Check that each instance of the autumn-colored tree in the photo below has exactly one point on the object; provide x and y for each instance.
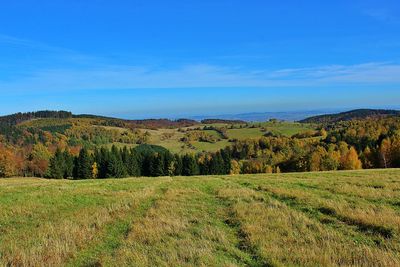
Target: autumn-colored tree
(385, 153)
(235, 167)
(268, 169)
(366, 158)
(39, 160)
(95, 171)
(316, 159)
(352, 162)
(7, 162)
(277, 169)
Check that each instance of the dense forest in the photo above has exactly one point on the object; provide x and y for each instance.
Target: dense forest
(351, 115)
(63, 148)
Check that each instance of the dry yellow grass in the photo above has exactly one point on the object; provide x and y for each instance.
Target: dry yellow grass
(305, 219)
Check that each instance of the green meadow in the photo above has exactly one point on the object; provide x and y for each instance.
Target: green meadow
(349, 218)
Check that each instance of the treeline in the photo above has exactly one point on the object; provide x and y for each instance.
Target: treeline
(372, 143)
(284, 154)
(145, 160)
(21, 117)
(160, 123)
(213, 121)
(357, 114)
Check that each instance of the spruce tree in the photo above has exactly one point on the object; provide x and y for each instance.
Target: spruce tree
(178, 165)
(156, 167)
(168, 164)
(133, 167)
(227, 161)
(69, 165)
(115, 165)
(189, 165)
(102, 162)
(83, 165)
(57, 165)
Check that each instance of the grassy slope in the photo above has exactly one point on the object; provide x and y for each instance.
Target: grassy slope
(304, 219)
(174, 143)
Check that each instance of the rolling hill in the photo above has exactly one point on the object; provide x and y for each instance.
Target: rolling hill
(351, 115)
(179, 136)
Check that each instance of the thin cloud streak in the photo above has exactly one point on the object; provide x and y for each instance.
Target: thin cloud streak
(383, 15)
(202, 75)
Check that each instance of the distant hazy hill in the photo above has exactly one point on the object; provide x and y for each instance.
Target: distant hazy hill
(265, 116)
(351, 115)
(212, 121)
(14, 119)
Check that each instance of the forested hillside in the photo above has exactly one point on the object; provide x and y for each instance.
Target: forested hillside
(63, 145)
(351, 115)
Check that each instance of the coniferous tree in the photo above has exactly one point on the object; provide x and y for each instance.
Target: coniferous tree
(115, 165)
(132, 164)
(83, 165)
(156, 165)
(217, 164)
(227, 161)
(204, 164)
(102, 158)
(169, 164)
(189, 165)
(178, 165)
(69, 165)
(125, 157)
(57, 165)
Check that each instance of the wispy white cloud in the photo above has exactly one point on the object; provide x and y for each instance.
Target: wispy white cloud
(21, 42)
(54, 52)
(382, 14)
(202, 75)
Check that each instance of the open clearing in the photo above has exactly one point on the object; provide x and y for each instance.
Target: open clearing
(304, 219)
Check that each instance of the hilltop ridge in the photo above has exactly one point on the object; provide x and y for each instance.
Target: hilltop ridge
(351, 115)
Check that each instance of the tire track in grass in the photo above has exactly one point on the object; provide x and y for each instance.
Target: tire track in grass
(114, 233)
(352, 253)
(329, 214)
(183, 228)
(363, 227)
(233, 222)
(390, 201)
(225, 215)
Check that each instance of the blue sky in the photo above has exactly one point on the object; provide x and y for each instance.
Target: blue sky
(173, 58)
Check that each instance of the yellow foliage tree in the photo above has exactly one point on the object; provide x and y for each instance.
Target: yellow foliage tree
(7, 162)
(352, 162)
(95, 171)
(235, 167)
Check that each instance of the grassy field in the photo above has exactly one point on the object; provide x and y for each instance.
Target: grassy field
(304, 219)
(175, 145)
(172, 138)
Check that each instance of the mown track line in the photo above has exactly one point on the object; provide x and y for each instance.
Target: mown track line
(228, 219)
(321, 214)
(243, 239)
(115, 232)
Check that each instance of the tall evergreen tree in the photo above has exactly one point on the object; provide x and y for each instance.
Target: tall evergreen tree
(102, 157)
(83, 165)
(69, 165)
(189, 165)
(217, 164)
(227, 161)
(178, 165)
(156, 167)
(169, 164)
(115, 165)
(132, 164)
(57, 165)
